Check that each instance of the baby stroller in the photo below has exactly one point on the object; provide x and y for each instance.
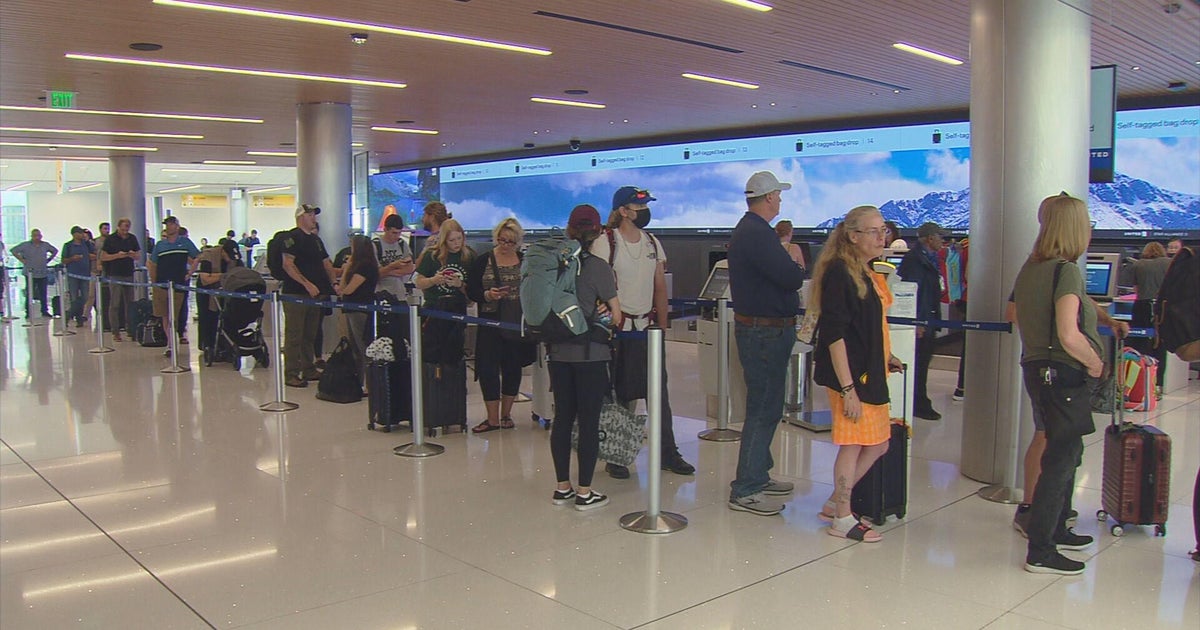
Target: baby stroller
(239, 323)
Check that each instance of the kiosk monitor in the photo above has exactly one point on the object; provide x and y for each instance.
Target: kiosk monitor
(717, 285)
(1100, 277)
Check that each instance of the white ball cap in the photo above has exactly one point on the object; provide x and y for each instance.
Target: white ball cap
(763, 183)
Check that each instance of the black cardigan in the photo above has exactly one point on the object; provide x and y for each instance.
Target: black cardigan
(859, 322)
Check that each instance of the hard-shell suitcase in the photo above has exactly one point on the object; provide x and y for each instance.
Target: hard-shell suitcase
(1136, 478)
(883, 491)
(444, 389)
(543, 397)
(389, 394)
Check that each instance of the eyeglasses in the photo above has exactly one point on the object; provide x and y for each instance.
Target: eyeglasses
(875, 232)
(505, 241)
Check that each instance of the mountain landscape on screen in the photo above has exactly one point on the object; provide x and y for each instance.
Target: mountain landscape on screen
(1126, 203)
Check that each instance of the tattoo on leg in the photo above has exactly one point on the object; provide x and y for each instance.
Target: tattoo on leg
(843, 490)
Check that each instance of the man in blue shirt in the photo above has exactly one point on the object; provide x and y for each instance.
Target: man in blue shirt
(764, 281)
(78, 255)
(920, 265)
(34, 254)
(172, 260)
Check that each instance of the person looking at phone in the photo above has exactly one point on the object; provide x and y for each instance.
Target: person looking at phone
(395, 258)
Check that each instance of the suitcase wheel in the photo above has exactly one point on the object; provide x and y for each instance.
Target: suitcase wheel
(1160, 530)
(1117, 530)
(1101, 515)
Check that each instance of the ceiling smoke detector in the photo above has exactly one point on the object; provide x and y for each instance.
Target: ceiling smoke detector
(359, 38)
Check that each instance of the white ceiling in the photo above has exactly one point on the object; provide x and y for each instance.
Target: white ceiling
(478, 99)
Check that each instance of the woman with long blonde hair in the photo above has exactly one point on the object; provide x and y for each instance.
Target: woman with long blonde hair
(853, 357)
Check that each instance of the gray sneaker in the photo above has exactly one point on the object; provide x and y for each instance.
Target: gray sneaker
(756, 503)
(778, 488)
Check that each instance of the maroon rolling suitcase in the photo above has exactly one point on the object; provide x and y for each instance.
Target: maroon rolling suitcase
(1137, 473)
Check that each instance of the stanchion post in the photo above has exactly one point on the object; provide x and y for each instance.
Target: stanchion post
(61, 330)
(722, 433)
(100, 348)
(8, 302)
(279, 404)
(172, 338)
(418, 447)
(654, 520)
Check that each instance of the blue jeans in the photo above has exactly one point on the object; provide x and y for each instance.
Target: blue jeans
(764, 353)
(78, 291)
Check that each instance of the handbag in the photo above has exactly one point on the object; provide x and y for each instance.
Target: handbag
(629, 368)
(807, 333)
(621, 433)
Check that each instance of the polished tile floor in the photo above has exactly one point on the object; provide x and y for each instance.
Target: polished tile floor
(135, 499)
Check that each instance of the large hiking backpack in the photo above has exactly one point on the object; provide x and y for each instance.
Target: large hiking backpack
(549, 307)
(275, 248)
(341, 381)
(1177, 313)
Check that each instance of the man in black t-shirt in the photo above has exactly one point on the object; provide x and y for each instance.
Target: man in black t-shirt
(309, 273)
(117, 258)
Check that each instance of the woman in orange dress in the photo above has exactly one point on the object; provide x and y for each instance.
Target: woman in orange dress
(853, 357)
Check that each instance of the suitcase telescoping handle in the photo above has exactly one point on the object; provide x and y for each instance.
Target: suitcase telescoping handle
(1118, 378)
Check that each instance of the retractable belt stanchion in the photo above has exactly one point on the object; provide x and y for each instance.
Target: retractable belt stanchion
(722, 433)
(654, 520)
(61, 330)
(279, 404)
(8, 296)
(100, 348)
(418, 447)
(172, 338)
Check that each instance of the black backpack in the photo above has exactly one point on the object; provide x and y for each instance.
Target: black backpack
(1177, 310)
(150, 333)
(275, 248)
(341, 381)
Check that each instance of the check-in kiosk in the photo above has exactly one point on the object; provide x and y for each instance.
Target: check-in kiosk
(707, 327)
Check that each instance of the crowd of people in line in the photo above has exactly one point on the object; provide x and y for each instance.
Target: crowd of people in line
(622, 280)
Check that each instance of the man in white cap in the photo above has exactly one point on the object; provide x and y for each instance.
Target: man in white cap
(764, 282)
(309, 274)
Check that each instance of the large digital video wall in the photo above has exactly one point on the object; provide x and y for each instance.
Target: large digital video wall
(912, 173)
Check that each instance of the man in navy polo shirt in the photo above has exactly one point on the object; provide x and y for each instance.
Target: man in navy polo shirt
(78, 255)
(763, 281)
(172, 260)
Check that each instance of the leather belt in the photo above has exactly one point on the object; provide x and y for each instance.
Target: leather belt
(770, 322)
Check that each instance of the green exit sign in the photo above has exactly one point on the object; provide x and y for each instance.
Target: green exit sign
(58, 99)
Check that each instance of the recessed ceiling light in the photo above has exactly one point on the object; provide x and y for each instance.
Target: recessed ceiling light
(1135, 68)
(364, 26)
(231, 162)
(60, 145)
(145, 46)
(179, 188)
(272, 189)
(425, 132)
(19, 186)
(928, 54)
(559, 101)
(101, 112)
(229, 70)
(273, 153)
(85, 187)
(87, 132)
(751, 4)
(730, 82)
(209, 170)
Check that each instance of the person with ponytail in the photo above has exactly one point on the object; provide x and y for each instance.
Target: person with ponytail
(853, 357)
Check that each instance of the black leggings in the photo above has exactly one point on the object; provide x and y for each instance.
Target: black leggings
(497, 364)
(578, 395)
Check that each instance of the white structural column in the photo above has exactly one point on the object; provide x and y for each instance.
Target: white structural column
(237, 212)
(324, 170)
(1030, 112)
(127, 195)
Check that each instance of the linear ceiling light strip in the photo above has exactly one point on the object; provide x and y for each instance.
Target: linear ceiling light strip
(88, 132)
(363, 26)
(101, 112)
(60, 145)
(228, 70)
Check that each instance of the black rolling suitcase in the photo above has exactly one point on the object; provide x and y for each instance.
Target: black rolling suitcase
(389, 394)
(883, 491)
(444, 389)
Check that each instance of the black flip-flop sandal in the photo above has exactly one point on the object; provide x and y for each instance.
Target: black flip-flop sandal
(507, 423)
(484, 427)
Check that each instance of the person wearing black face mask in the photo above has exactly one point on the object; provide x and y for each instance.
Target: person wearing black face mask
(639, 262)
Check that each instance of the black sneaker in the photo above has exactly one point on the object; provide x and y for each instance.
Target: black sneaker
(1072, 518)
(927, 414)
(1057, 564)
(1071, 540)
(563, 497)
(295, 381)
(590, 501)
(617, 471)
(957, 396)
(675, 463)
(1021, 519)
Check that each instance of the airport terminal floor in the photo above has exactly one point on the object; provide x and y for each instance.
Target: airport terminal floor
(135, 499)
